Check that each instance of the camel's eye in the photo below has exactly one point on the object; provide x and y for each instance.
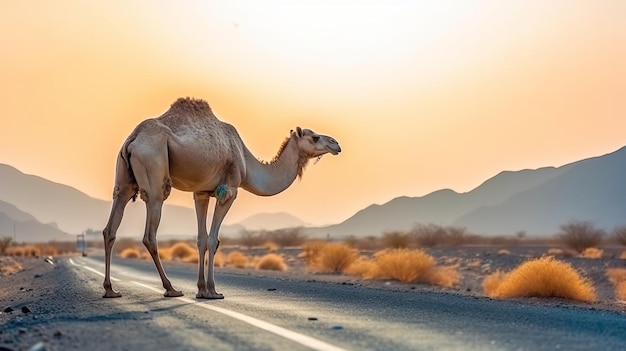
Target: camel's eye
(316, 138)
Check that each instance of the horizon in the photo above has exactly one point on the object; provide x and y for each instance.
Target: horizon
(421, 96)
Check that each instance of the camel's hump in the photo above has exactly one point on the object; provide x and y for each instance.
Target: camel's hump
(188, 104)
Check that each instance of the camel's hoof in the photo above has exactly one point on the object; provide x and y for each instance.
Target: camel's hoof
(173, 293)
(111, 294)
(209, 296)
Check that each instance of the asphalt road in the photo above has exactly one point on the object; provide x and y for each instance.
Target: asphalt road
(270, 313)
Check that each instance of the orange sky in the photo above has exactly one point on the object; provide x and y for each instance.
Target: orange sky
(422, 95)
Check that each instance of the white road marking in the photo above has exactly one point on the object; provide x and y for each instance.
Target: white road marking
(280, 331)
(93, 270)
(301, 339)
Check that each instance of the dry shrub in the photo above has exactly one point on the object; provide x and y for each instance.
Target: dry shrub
(237, 259)
(623, 255)
(311, 251)
(592, 252)
(130, 253)
(270, 246)
(165, 254)
(361, 267)
(474, 263)
(493, 281)
(545, 277)
(619, 234)
(561, 253)
(617, 276)
(219, 260)
(183, 251)
(504, 252)
(403, 265)
(9, 266)
(396, 240)
(23, 251)
(287, 237)
(333, 258)
(273, 262)
(580, 235)
(443, 276)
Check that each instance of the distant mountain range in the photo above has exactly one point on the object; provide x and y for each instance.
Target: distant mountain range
(536, 202)
(533, 201)
(36, 209)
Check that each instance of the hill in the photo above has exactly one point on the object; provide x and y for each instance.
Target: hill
(534, 201)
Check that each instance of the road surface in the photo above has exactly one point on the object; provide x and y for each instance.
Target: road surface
(272, 313)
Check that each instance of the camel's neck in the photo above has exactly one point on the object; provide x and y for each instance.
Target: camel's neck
(266, 179)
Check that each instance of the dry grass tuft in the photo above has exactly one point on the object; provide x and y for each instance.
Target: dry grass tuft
(9, 266)
(238, 259)
(360, 267)
(270, 246)
(592, 252)
(504, 252)
(543, 277)
(219, 260)
(443, 276)
(617, 276)
(23, 251)
(130, 253)
(311, 250)
(273, 262)
(403, 265)
(165, 254)
(493, 281)
(333, 258)
(183, 251)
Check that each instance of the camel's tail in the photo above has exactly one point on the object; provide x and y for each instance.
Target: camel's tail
(125, 155)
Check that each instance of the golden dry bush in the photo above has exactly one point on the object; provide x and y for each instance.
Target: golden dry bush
(443, 276)
(403, 264)
(617, 276)
(165, 254)
(623, 255)
(545, 277)
(219, 260)
(592, 252)
(333, 258)
(270, 246)
(237, 259)
(9, 266)
(47, 250)
(504, 252)
(361, 267)
(273, 262)
(23, 251)
(130, 253)
(183, 251)
(492, 282)
(555, 252)
(311, 250)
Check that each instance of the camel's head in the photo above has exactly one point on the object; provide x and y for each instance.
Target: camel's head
(315, 145)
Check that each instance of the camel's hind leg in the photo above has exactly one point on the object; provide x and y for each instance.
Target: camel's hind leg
(154, 187)
(124, 190)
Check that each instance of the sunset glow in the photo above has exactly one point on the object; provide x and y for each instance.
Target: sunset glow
(421, 95)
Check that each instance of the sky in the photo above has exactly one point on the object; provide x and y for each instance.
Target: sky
(421, 95)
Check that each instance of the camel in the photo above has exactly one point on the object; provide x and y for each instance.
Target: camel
(190, 149)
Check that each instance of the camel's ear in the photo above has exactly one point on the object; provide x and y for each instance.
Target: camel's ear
(299, 131)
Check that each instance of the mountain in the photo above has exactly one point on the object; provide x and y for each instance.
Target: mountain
(75, 212)
(23, 227)
(535, 201)
(271, 221)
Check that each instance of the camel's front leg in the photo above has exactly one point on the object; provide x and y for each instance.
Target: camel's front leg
(201, 200)
(221, 209)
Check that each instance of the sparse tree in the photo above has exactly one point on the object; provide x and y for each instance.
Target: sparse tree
(619, 234)
(396, 240)
(429, 235)
(456, 236)
(580, 235)
(287, 237)
(251, 239)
